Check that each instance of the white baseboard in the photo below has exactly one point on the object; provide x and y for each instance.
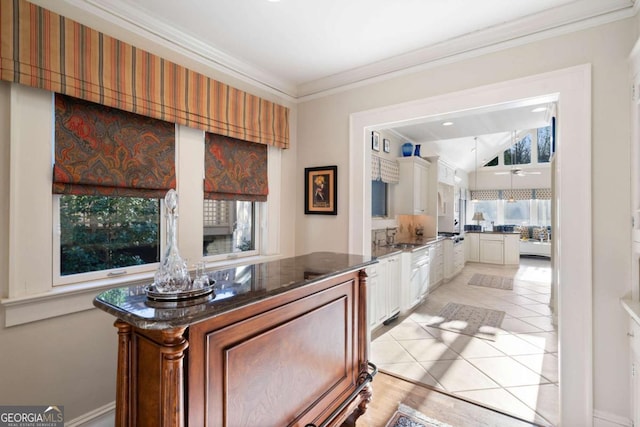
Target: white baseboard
(605, 419)
(105, 416)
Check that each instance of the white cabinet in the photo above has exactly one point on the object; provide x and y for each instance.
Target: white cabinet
(411, 195)
(472, 247)
(436, 265)
(393, 285)
(512, 249)
(383, 290)
(492, 248)
(416, 286)
(453, 258)
(446, 174)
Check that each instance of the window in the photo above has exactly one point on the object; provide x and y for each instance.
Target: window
(517, 212)
(35, 231)
(535, 212)
(104, 233)
(519, 153)
(110, 169)
(492, 162)
(228, 227)
(543, 211)
(379, 191)
(544, 144)
(489, 209)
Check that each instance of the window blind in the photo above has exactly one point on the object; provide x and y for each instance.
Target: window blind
(104, 151)
(235, 169)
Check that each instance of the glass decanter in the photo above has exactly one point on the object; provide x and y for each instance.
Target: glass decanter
(172, 275)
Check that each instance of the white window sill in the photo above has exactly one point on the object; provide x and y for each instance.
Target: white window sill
(63, 300)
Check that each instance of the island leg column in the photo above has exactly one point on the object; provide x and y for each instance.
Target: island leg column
(123, 380)
(172, 388)
(367, 392)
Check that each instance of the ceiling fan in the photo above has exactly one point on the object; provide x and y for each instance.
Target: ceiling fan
(518, 172)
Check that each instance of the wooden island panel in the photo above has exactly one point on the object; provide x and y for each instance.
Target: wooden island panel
(291, 365)
(288, 354)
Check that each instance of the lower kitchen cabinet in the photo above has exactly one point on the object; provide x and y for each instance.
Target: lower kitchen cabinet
(472, 247)
(512, 249)
(384, 289)
(492, 249)
(415, 287)
(436, 265)
(453, 258)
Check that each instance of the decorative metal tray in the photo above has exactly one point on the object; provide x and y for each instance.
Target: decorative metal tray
(153, 294)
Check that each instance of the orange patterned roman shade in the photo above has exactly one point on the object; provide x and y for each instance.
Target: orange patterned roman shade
(103, 151)
(42, 49)
(234, 170)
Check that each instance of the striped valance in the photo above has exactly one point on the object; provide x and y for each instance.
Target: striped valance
(384, 170)
(42, 49)
(516, 193)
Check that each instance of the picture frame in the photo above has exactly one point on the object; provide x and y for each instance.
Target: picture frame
(321, 190)
(386, 145)
(375, 141)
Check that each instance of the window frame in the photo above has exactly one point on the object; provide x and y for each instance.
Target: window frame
(28, 290)
(60, 280)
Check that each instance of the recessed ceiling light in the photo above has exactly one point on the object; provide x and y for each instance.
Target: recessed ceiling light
(539, 110)
(447, 123)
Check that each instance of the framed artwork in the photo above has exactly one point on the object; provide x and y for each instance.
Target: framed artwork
(321, 190)
(386, 145)
(375, 141)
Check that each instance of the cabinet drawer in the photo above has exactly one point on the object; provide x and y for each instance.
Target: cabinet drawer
(491, 237)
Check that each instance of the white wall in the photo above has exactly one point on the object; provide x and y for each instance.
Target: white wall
(323, 135)
(488, 180)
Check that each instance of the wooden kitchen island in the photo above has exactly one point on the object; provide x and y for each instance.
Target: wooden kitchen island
(281, 343)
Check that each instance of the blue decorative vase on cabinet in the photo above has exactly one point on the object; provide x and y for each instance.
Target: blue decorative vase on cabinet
(407, 149)
(417, 152)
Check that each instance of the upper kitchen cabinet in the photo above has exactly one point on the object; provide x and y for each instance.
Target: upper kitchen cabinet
(411, 196)
(446, 174)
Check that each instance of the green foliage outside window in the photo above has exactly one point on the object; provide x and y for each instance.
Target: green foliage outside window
(492, 162)
(544, 144)
(102, 233)
(519, 153)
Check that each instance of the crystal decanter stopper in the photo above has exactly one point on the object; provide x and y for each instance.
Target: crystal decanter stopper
(172, 275)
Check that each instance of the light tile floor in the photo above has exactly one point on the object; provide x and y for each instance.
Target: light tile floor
(517, 373)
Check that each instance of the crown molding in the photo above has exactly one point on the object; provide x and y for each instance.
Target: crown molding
(158, 38)
(558, 21)
(145, 32)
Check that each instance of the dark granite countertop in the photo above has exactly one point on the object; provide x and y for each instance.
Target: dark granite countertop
(234, 288)
(492, 232)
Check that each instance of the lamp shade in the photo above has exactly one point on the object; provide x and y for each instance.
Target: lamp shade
(477, 216)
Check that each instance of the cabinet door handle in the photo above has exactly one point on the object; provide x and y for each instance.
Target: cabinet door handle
(630, 334)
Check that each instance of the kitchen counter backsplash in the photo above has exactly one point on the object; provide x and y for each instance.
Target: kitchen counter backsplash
(411, 227)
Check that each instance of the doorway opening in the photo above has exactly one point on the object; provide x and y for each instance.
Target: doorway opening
(571, 89)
